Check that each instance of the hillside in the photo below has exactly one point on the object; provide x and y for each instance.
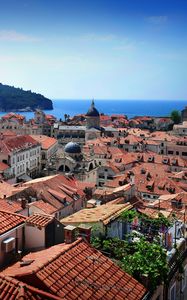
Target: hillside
(16, 99)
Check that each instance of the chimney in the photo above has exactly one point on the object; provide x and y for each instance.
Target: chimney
(85, 232)
(23, 203)
(69, 234)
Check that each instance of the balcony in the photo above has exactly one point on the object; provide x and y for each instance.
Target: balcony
(179, 255)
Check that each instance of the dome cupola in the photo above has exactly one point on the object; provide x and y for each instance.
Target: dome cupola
(72, 148)
(92, 112)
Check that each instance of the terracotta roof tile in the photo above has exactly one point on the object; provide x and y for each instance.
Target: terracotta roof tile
(18, 142)
(10, 220)
(44, 206)
(3, 167)
(53, 189)
(39, 220)
(6, 189)
(11, 288)
(12, 115)
(77, 271)
(154, 213)
(46, 141)
(10, 206)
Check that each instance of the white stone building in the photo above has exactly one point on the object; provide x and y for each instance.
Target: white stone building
(22, 154)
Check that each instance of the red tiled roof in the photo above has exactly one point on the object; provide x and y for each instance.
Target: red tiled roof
(51, 188)
(11, 288)
(10, 206)
(59, 195)
(8, 132)
(7, 190)
(39, 220)
(77, 271)
(18, 142)
(118, 116)
(155, 180)
(12, 115)
(104, 118)
(46, 141)
(82, 185)
(50, 117)
(154, 213)
(44, 206)
(10, 220)
(3, 166)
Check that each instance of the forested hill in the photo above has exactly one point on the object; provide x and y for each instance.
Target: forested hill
(15, 99)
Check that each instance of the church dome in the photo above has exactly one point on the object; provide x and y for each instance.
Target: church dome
(92, 112)
(72, 147)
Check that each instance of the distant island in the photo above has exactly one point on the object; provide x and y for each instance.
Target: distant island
(16, 99)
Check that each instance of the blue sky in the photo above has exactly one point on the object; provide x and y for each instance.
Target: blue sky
(106, 49)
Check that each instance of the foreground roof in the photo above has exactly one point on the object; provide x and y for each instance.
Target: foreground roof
(10, 288)
(77, 271)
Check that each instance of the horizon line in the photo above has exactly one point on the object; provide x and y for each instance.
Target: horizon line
(104, 99)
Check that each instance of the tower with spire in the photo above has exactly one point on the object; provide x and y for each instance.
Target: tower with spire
(93, 117)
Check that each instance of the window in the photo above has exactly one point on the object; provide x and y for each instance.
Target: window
(173, 292)
(170, 152)
(184, 153)
(177, 152)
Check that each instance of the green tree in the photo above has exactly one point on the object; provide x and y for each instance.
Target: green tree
(175, 116)
(65, 117)
(148, 260)
(129, 215)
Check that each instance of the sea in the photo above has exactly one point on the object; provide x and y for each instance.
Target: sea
(130, 108)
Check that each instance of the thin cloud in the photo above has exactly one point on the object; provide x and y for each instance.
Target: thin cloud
(98, 38)
(14, 36)
(128, 46)
(178, 56)
(157, 20)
